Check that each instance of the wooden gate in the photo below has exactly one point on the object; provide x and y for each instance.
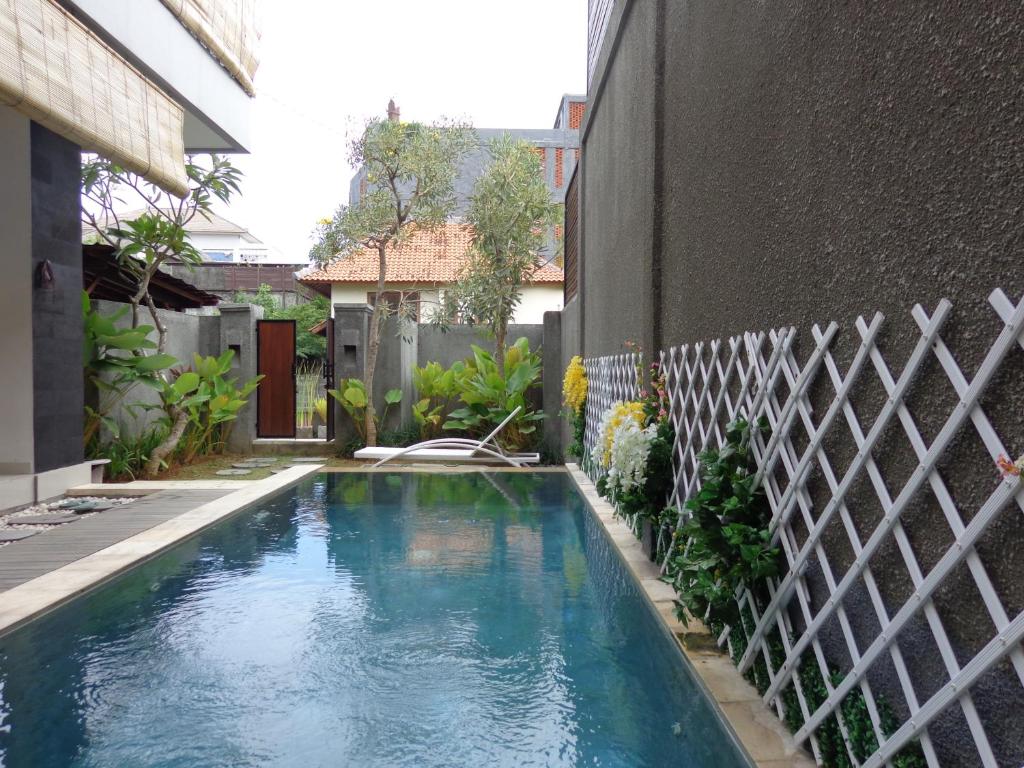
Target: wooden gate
(275, 396)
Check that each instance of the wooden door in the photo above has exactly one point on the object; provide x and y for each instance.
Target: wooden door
(275, 396)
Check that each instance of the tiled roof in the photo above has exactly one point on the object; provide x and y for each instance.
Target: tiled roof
(424, 257)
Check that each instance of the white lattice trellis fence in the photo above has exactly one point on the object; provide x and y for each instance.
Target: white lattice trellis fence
(758, 375)
(610, 379)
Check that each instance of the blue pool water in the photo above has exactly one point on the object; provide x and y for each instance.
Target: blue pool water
(366, 620)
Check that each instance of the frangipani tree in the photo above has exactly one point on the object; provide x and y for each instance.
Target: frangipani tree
(512, 213)
(410, 173)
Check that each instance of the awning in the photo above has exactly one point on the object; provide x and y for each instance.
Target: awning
(61, 75)
(228, 29)
(104, 278)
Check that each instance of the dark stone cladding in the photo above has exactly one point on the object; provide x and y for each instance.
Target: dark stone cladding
(56, 310)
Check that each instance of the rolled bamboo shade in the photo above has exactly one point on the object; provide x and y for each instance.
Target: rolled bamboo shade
(58, 73)
(228, 28)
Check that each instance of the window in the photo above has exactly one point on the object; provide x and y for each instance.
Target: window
(218, 256)
(408, 300)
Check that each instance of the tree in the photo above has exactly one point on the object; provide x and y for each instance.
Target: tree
(158, 235)
(511, 212)
(410, 172)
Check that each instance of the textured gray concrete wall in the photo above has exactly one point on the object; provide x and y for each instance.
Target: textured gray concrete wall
(552, 391)
(447, 347)
(186, 335)
(748, 165)
(570, 332)
(238, 332)
(57, 309)
(617, 196)
(351, 329)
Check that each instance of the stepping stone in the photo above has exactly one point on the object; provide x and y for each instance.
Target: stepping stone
(246, 465)
(93, 506)
(71, 504)
(12, 534)
(233, 472)
(277, 470)
(309, 460)
(52, 519)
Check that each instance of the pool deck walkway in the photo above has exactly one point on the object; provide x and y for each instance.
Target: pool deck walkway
(42, 572)
(72, 541)
(756, 727)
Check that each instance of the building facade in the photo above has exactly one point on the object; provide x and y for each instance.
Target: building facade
(154, 87)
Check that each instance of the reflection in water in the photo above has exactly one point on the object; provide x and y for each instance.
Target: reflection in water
(364, 620)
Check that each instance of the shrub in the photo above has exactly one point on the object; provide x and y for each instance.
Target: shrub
(490, 396)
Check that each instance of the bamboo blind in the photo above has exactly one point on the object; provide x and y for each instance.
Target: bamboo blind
(228, 28)
(59, 74)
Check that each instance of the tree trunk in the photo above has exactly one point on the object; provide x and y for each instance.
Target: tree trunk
(500, 332)
(170, 442)
(372, 347)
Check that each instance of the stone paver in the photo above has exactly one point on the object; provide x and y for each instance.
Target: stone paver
(57, 518)
(229, 472)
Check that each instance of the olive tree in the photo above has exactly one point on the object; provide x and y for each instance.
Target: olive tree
(410, 172)
(511, 212)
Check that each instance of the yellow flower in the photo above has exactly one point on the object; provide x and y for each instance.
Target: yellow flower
(615, 416)
(574, 386)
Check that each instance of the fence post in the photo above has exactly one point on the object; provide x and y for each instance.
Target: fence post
(238, 333)
(351, 330)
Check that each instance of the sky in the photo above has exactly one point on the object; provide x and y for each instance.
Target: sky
(326, 66)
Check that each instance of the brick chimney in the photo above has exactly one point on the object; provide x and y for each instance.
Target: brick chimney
(393, 112)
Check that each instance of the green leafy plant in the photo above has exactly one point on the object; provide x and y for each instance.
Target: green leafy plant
(115, 360)
(490, 396)
(128, 455)
(351, 395)
(320, 409)
(436, 390)
(199, 405)
(728, 541)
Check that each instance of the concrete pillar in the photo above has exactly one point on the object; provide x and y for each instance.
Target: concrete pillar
(17, 448)
(552, 388)
(238, 333)
(395, 360)
(351, 330)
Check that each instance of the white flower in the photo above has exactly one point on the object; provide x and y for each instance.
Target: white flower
(631, 446)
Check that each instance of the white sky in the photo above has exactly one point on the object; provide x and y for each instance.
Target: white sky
(328, 65)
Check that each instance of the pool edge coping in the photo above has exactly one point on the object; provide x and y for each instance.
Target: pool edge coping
(754, 727)
(30, 600)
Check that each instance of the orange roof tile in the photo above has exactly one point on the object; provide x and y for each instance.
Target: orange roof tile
(425, 256)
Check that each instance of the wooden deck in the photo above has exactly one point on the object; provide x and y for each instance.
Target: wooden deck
(49, 550)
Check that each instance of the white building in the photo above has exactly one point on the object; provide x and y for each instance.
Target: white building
(420, 270)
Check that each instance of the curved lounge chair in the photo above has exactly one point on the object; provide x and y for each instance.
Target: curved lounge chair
(454, 450)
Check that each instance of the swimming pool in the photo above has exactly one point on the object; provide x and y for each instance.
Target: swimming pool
(366, 620)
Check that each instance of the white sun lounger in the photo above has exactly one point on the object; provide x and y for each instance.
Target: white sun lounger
(454, 450)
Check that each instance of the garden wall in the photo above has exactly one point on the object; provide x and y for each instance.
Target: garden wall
(749, 166)
(187, 335)
(402, 347)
